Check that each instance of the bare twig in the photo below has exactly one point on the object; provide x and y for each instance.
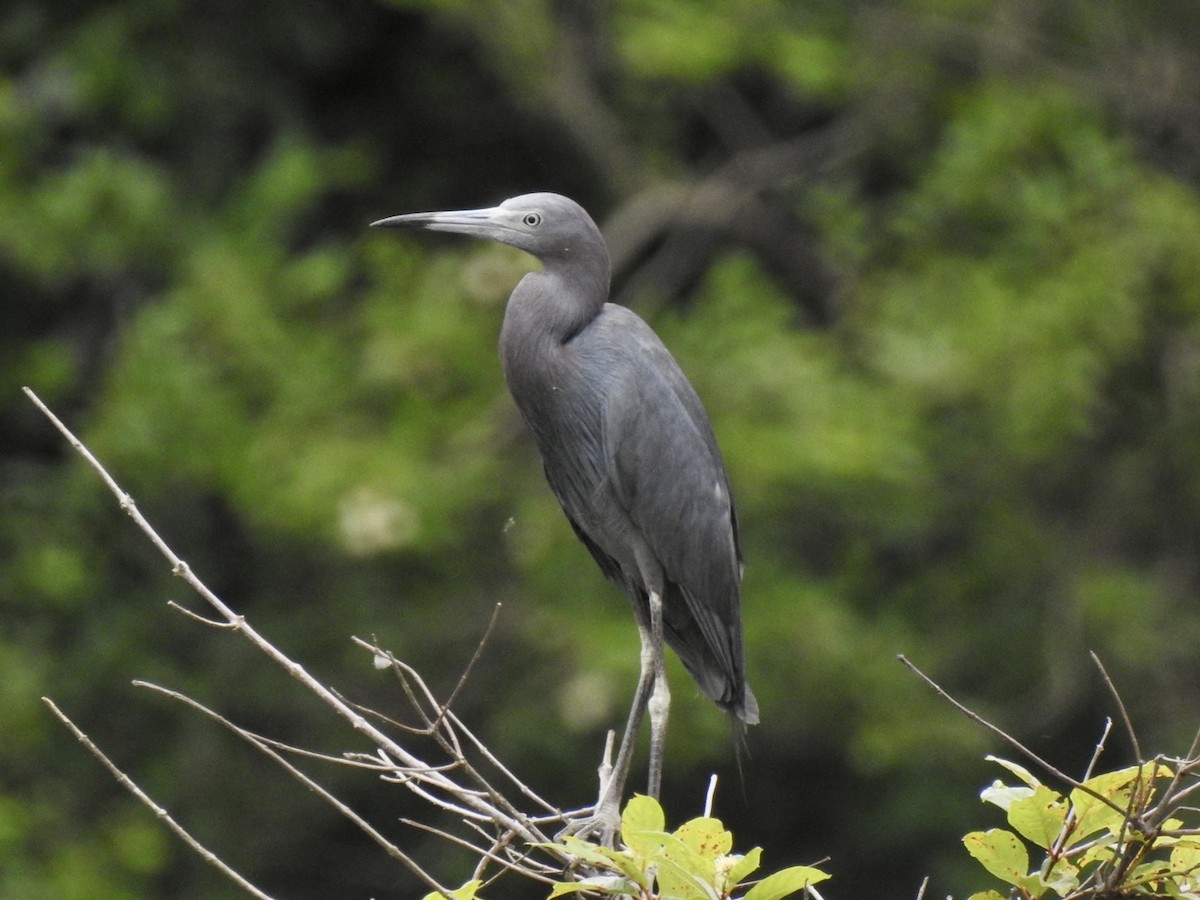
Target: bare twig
(456, 785)
(505, 814)
(487, 633)
(1099, 749)
(1070, 821)
(1112, 689)
(264, 747)
(1008, 738)
(162, 815)
(482, 852)
(196, 617)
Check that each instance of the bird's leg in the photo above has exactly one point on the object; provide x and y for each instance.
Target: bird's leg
(606, 820)
(659, 702)
(609, 803)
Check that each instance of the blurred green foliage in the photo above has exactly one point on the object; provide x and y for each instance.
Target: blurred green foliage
(963, 426)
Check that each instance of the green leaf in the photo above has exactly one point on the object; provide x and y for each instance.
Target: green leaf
(1185, 857)
(646, 846)
(628, 864)
(1039, 816)
(1102, 851)
(1020, 771)
(784, 882)
(679, 854)
(1171, 825)
(1149, 873)
(642, 828)
(632, 866)
(583, 850)
(1093, 815)
(707, 836)
(1062, 877)
(1001, 853)
(1004, 795)
(605, 884)
(742, 867)
(642, 814)
(986, 895)
(466, 892)
(676, 879)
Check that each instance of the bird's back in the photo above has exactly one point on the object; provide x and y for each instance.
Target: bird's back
(632, 458)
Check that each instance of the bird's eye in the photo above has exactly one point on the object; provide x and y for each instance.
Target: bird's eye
(532, 220)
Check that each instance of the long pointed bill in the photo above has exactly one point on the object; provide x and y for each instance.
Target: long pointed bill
(486, 223)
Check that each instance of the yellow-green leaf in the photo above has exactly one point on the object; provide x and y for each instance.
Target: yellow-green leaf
(707, 836)
(784, 882)
(1039, 816)
(466, 892)
(1093, 815)
(603, 857)
(741, 868)
(584, 851)
(642, 829)
(1152, 873)
(1004, 795)
(1001, 853)
(631, 865)
(1185, 857)
(679, 881)
(986, 895)
(1062, 877)
(1020, 771)
(604, 884)
(1102, 851)
(680, 853)
(642, 813)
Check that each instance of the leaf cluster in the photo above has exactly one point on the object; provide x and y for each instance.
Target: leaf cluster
(1108, 837)
(694, 862)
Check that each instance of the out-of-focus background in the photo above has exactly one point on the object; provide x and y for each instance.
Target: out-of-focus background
(933, 266)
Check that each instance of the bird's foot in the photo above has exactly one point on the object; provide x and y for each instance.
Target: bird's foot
(601, 824)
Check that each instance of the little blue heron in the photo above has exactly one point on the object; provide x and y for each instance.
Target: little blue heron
(628, 451)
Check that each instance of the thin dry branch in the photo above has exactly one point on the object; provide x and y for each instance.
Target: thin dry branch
(1125, 720)
(447, 719)
(163, 816)
(1008, 738)
(265, 747)
(1098, 750)
(457, 784)
(470, 667)
(484, 854)
(510, 817)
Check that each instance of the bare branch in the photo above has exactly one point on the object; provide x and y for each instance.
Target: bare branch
(1099, 749)
(196, 617)
(162, 815)
(484, 853)
(481, 805)
(391, 849)
(487, 633)
(1112, 689)
(1008, 738)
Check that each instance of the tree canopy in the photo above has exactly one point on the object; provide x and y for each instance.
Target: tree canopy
(933, 267)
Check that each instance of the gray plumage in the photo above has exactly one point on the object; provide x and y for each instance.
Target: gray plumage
(625, 442)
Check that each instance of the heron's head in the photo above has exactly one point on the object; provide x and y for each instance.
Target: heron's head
(552, 227)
